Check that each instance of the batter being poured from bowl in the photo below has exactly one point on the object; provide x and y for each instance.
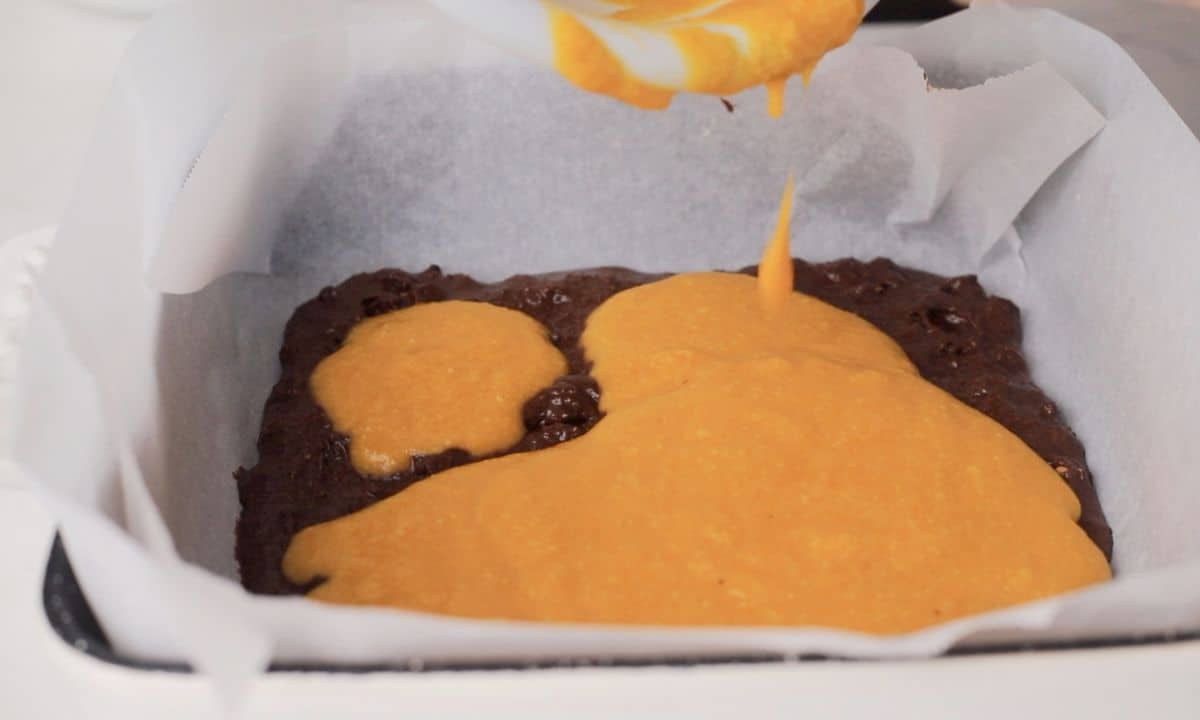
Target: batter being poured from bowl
(645, 51)
(707, 449)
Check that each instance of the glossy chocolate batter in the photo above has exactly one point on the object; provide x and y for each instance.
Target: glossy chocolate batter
(960, 339)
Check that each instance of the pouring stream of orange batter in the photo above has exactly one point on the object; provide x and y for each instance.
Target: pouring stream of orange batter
(776, 276)
(765, 459)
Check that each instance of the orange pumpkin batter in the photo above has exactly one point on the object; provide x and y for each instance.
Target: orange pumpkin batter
(766, 459)
(433, 377)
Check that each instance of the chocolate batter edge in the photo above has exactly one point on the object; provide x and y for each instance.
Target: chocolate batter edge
(961, 339)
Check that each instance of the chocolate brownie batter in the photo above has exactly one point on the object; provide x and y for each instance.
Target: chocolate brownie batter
(959, 338)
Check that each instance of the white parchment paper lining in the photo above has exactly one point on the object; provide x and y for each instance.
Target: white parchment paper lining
(316, 139)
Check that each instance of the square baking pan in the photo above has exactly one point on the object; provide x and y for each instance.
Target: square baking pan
(71, 617)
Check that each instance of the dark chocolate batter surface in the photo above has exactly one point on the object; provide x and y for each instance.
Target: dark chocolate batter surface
(962, 340)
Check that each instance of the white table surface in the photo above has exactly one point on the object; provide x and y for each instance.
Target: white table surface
(56, 59)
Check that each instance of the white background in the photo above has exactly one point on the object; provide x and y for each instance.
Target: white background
(56, 59)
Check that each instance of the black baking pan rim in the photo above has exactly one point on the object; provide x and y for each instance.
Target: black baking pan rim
(68, 612)
(888, 11)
